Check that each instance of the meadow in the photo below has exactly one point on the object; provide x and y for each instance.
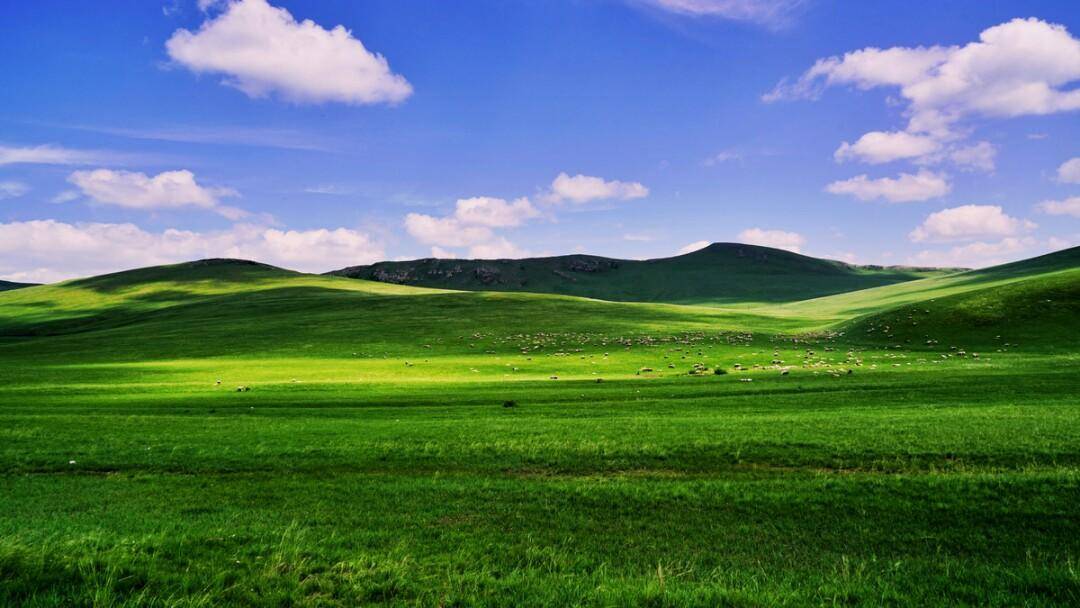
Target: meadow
(910, 444)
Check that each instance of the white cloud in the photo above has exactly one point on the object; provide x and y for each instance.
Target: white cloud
(329, 189)
(779, 239)
(1069, 206)
(499, 248)
(773, 13)
(65, 196)
(721, 157)
(49, 250)
(878, 147)
(585, 188)
(1069, 171)
(262, 49)
(921, 186)
(1017, 68)
(169, 189)
(443, 254)
(12, 189)
(445, 231)
(976, 157)
(1057, 243)
(494, 212)
(50, 155)
(471, 226)
(969, 222)
(692, 247)
(976, 255)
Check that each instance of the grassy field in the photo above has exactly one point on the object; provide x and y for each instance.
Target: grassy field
(912, 444)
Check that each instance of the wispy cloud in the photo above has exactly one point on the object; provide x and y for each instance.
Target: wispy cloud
(220, 135)
(53, 155)
(770, 13)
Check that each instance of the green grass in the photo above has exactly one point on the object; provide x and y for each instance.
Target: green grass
(720, 274)
(372, 461)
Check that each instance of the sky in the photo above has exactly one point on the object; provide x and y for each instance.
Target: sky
(321, 134)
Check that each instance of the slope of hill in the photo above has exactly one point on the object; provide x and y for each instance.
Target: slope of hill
(722, 273)
(9, 285)
(232, 307)
(845, 306)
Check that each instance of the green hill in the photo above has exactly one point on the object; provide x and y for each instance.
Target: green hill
(235, 307)
(1041, 308)
(9, 285)
(722, 273)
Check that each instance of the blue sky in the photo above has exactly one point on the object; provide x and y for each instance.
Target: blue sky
(143, 132)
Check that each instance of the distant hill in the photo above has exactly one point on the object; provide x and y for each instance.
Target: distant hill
(722, 273)
(9, 285)
(224, 308)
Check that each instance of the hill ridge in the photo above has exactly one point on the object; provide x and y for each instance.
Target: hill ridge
(719, 273)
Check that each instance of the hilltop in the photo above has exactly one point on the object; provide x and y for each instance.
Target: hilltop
(722, 273)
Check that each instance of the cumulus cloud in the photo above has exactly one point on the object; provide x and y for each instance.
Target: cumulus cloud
(169, 189)
(779, 239)
(50, 250)
(1017, 68)
(499, 248)
(976, 255)
(1069, 171)
(50, 155)
(878, 147)
(1056, 243)
(474, 222)
(584, 188)
(494, 212)
(445, 231)
(976, 157)
(772, 13)
(262, 49)
(969, 222)
(920, 186)
(1022, 67)
(471, 226)
(1068, 206)
(692, 247)
(12, 189)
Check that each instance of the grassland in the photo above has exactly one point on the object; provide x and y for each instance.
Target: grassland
(374, 461)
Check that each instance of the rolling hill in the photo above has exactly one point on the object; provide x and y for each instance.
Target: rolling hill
(719, 274)
(217, 307)
(9, 285)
